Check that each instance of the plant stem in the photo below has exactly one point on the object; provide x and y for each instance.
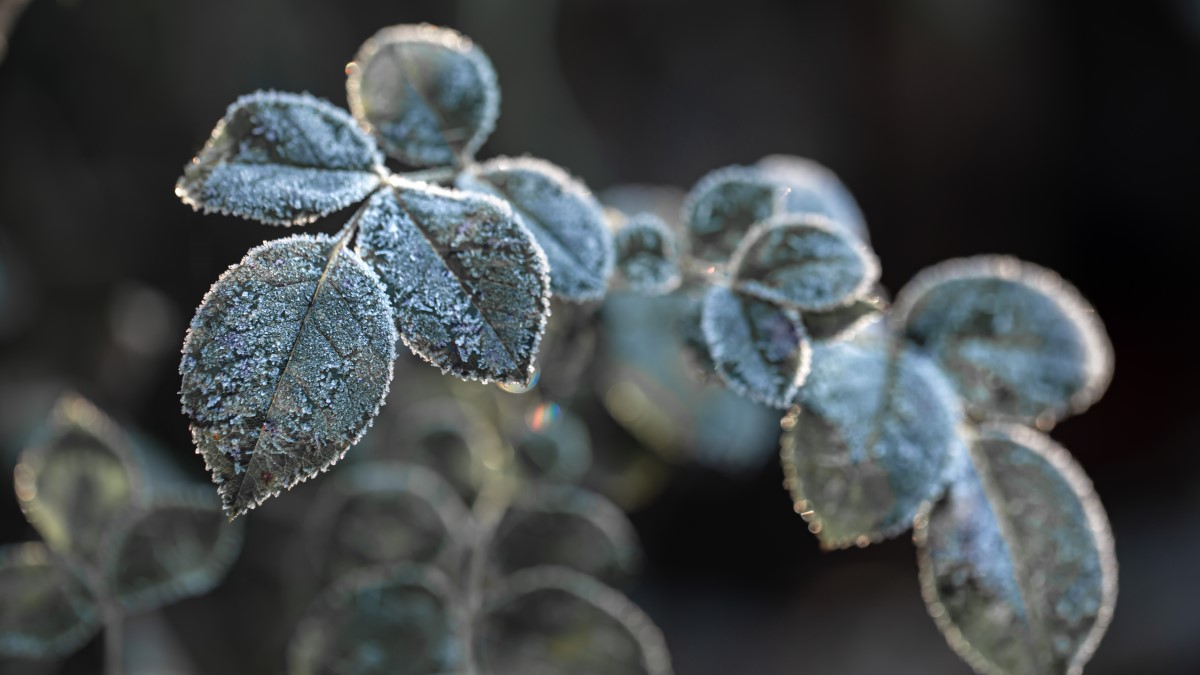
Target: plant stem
(114, 640)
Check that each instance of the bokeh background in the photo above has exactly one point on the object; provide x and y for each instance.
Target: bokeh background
(1064, 133)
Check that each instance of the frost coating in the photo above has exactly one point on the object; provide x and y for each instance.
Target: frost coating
(843, 323)
(875, 436)
(813, 188)
(761, 351)
(556, 620)
(563, 216)
(285, 365)
(468, 285)
(803, 261)
(724, 205)
(282, 159)
(178, 547)
(45, 609)
(1017, 562)
(427, 93)
(1018, 342)
(647, 255)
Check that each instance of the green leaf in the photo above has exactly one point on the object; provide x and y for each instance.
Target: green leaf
(760, 350)
(178, 547)
(467, 283)
(564, 217)
(813, 188)
(281, 159)
(285, 365)
(569, 527)
(427, 93)
(875, 435)
(845, 322)
(1018, 342)
(387, 512)
(648, 255)
(77, 479)
(397, 621)
(556, 620)
(724, 205)
(45, 609)
(803, 261)
(1017, 562)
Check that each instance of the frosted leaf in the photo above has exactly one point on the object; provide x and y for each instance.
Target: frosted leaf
(760, 350)
(554, 445)
(552, 620)
(803, 261)
(281, 159)
(427, 93)
(45, 609)
(285, 365)
(1018, 341)
(843, 323)
(468, 285)
(702, 368)
(563, 216)
(648, 255)
(569, 527)
(1017, 563)
(724, 205)
(875, 435)
(664, 201)
(77, 479)
(387, 512)
(813, 188)
(401, 620)
(648, 386)
(178, 547)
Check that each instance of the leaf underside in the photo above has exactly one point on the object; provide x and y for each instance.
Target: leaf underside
(285, 365)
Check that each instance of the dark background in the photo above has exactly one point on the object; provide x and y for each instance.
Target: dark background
(1063, 133)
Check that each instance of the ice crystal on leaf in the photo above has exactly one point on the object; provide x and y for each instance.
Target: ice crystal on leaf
(285, 365)
(282, 159)
(647, 255)
(724, 205)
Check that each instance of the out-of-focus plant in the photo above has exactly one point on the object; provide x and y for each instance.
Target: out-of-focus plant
(117, 540)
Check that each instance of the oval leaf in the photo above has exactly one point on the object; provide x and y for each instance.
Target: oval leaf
(803, 261)
(556, 620)
(1018, 342)
(78, 480)
(387, 512)
(563, 216)
(813, 188)
(281, 159)
(1017, 562)
(178, 547)
(468, 285)
(427, 93)
(647, 255)
(285, 365)
(843, 323)
(398, 621)
(760, 350)
(724, 205)
(875, 436)
(568, 527)
(45, 609)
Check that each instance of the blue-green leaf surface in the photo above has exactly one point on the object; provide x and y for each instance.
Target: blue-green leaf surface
(178, 546)
(874, 436)
(813, 188)
(469, 287)
(724, 205)
(427, 93)
(1017, 561)
(282, 159)
(803, 261)
(285, 365)
(77, 479)
(648, 255)
(1017, 341)
(563, 216)
(402, 620)
(555, 620)
(45, 609)
(759, 349)
(845, 322)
